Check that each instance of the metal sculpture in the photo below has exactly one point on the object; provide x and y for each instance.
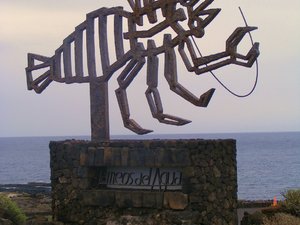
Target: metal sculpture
(131, 61)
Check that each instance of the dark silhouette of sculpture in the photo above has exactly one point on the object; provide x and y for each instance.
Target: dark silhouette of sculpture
(130, 62)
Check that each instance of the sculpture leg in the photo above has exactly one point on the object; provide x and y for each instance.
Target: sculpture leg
(171, 77)
(124, 80)
(152, 92)
(155, 104)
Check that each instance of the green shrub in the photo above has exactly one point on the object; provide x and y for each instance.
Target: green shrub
(291, 203)
(281, 219)
(11, 211)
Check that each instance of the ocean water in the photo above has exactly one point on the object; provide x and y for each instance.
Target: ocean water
(268, 163)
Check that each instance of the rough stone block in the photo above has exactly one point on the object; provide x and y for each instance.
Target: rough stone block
(152, 200)
(136, 158)
(217, 173)
(108, 156)
(124, 156)
(187, 186)
(188, 171)
(175, 200)
(83, 158)
(100, 198)
(116, 157)
(63, 180)
(150, 157)
(212, 197)
(82, 172)
(182, 157)
(99, 157)
(84, 184)
(137, 199)
(91, 156)
(164, 158)
(124, 199)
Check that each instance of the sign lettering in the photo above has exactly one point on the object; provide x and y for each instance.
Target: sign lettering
(141, 178)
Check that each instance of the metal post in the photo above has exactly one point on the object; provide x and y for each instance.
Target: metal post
(99, 111)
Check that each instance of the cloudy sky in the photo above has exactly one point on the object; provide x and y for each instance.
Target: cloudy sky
(39, 26)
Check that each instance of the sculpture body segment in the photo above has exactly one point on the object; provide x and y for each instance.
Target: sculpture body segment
(67, 65)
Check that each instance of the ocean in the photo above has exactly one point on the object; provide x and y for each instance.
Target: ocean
(268, 163)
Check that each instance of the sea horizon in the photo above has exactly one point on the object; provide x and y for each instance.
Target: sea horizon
(155, 134)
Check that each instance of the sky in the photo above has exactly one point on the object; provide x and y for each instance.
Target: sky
(63, 110)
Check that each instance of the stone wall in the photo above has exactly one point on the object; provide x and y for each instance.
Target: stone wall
(208, 195)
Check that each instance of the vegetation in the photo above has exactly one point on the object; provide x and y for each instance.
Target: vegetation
(281, 219)
(291, 203)
(11, 211)
(287, 212)
(253, 219)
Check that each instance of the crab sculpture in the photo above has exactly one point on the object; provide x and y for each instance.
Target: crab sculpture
(66, 65)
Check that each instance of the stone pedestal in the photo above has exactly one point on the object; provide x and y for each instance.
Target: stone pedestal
(144, 182)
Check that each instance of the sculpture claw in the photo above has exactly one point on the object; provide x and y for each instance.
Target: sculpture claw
(255, 50)
(205, 97)
(172, 120)
(236, 37)
(135, 127)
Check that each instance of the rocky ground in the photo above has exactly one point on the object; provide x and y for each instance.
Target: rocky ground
(37, 207)
(35, 201)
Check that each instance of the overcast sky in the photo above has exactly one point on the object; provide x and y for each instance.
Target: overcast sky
(39, 26)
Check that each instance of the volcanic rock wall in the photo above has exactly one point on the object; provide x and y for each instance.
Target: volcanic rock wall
(144, 182)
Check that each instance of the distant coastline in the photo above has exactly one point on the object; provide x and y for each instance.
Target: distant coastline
(31, 188)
